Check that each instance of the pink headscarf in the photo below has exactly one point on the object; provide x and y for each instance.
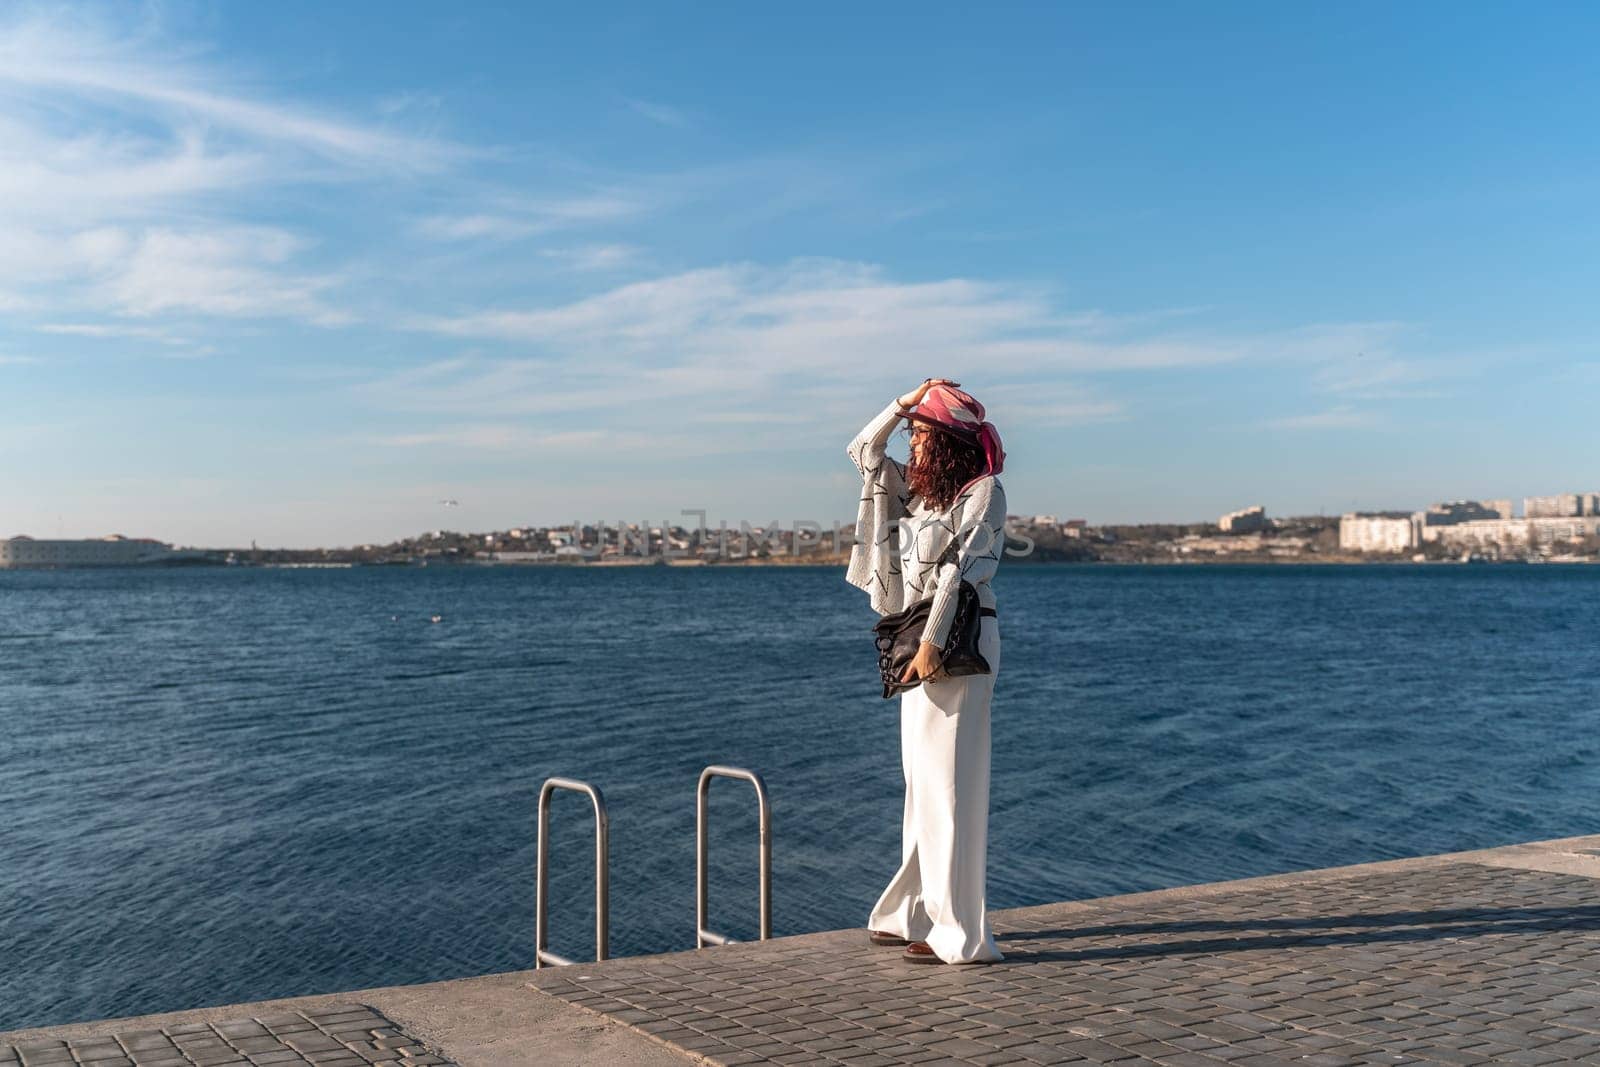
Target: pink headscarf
(950, 409)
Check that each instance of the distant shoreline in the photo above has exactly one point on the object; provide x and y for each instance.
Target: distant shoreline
(830, 563)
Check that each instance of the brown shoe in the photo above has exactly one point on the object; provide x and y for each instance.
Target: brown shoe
(919, 952)
(877, 937)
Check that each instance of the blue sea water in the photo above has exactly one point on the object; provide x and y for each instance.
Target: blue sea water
(220, 785)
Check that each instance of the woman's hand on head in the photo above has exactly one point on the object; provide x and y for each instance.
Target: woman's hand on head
(913, 398)
(924, 665)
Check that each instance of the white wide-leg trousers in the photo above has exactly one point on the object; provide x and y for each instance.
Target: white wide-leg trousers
(937, 895)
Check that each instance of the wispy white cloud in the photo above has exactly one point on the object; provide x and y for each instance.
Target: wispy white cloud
(1336, 418)
(67, 174)
(223, 272)
(813, 314)
(573, 446)
(103, 330)
(727, 346)
(1383, 376)
(412, 101)
(598, 257)
(473, 227)
(1051, 404)
(122, 156)
(75, 62)
(524, 218)
(659, 113)
(498, 437)
(112, 331)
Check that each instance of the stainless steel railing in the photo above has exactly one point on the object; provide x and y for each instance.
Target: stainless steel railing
(703, 936)
(602, 874)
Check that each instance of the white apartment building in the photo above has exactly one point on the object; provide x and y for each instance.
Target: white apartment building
(1561, 506)
(1558, 506)
(113, 551)
(1381, 531)
(1245, 520)
(1519, 533)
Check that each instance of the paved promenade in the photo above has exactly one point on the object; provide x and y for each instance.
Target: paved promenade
(336, 1035)
(1481, 957)
(1477, 958)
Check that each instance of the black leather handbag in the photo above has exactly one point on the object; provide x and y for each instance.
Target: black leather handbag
(899, 636)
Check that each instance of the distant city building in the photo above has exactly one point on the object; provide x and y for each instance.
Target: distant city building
(1561, 506)
(1519, 533)
(1501, 508)
(518, 556)
(1245, 520)
(112, 551)
(1237, 544)
(1454, 513)
(1381, 531)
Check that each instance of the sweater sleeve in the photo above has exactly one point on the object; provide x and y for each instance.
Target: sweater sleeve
(870, 447)
(974, 555)
(875, 555)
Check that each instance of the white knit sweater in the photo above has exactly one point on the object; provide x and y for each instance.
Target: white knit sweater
(906, 552)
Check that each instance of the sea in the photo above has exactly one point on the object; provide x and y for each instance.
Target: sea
(227, 784)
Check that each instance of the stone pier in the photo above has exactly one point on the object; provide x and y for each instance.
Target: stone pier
(1477, 957)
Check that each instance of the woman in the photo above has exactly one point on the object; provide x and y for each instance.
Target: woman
(922, 529)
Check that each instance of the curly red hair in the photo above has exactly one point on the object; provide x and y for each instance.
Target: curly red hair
(949, 461)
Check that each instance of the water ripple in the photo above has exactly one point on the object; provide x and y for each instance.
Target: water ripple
(223, 785)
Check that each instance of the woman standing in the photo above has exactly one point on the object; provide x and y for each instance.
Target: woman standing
(923, 528)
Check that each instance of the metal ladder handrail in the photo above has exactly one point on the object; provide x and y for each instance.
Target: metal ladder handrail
(602, 876)
(703, 936)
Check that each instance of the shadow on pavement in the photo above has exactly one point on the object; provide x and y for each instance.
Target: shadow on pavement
(1293, 932)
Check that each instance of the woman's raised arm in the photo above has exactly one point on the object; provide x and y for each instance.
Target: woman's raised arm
(868, 448)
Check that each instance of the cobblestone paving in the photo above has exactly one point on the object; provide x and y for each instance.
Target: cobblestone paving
(1453, 964)
(346, 1035)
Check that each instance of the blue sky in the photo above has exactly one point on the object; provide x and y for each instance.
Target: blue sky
(298, 272)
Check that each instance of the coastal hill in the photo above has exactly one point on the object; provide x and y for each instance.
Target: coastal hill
(1030, 540)
(1248, 536)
